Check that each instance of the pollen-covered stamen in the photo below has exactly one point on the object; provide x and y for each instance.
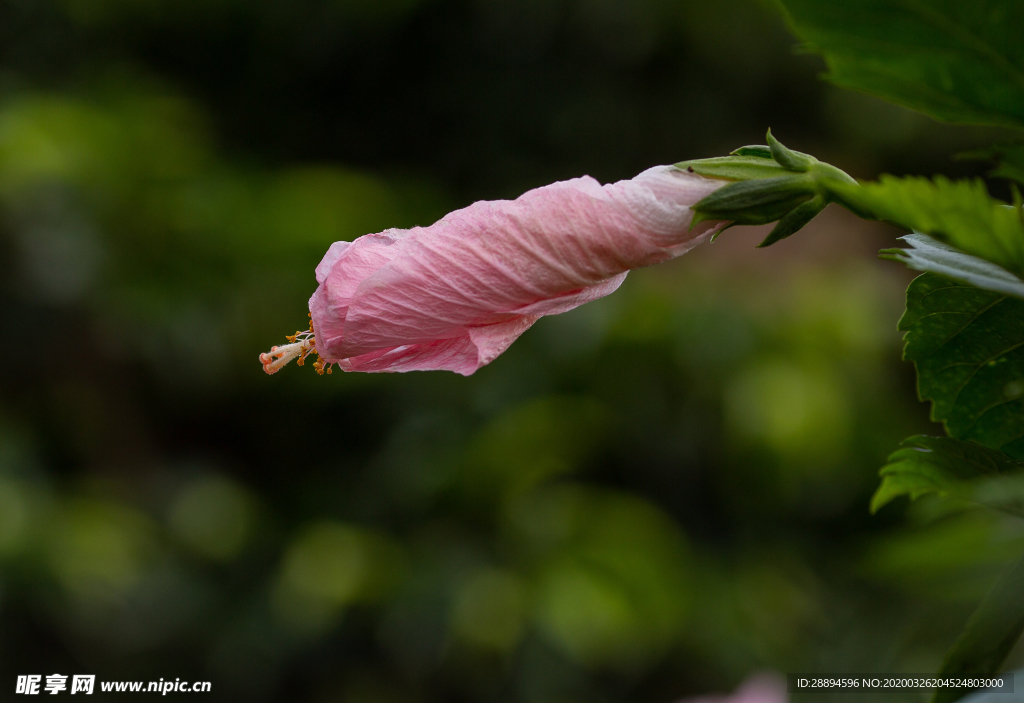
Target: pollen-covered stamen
(302, 344)
(276, 359)
(323, 367)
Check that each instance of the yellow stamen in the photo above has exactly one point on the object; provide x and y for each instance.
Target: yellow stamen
(302, 344)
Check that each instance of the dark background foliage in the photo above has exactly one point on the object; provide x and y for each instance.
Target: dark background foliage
(650, 497)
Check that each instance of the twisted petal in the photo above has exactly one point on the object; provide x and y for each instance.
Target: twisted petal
(456, 294)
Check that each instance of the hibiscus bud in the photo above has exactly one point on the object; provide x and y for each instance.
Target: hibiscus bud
(456, 294)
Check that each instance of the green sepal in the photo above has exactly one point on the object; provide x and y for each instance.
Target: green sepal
(787, 158)
(734, 199)
(734, 168)
(760, 215)
(795, 220)
(728, 226)
(772, 184)
(759, 150)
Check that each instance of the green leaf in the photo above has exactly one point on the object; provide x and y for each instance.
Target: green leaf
(989, 635)
(968, 347)
(956, 61)
(959, 213)
(952, 468)
(927, 254)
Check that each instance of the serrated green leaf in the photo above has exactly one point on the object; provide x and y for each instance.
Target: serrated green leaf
(927, 254)
(959, 213)
(968, 347)
(952, 468)
(956, 61)
(989, 635)
(734, 167)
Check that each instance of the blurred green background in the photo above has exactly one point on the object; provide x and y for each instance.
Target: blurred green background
(650, 497)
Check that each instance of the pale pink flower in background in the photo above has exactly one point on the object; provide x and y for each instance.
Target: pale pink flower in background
(456, 294)
(760, 688)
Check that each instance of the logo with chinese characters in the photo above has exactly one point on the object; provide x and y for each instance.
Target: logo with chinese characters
(32, 684)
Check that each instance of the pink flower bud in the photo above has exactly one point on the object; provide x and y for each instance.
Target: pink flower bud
(456, 294)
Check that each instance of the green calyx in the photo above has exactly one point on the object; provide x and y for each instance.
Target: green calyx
(771, 184)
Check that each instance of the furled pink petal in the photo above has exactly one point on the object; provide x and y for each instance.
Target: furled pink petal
(465, 354)
(761, 688)
(456, 294)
